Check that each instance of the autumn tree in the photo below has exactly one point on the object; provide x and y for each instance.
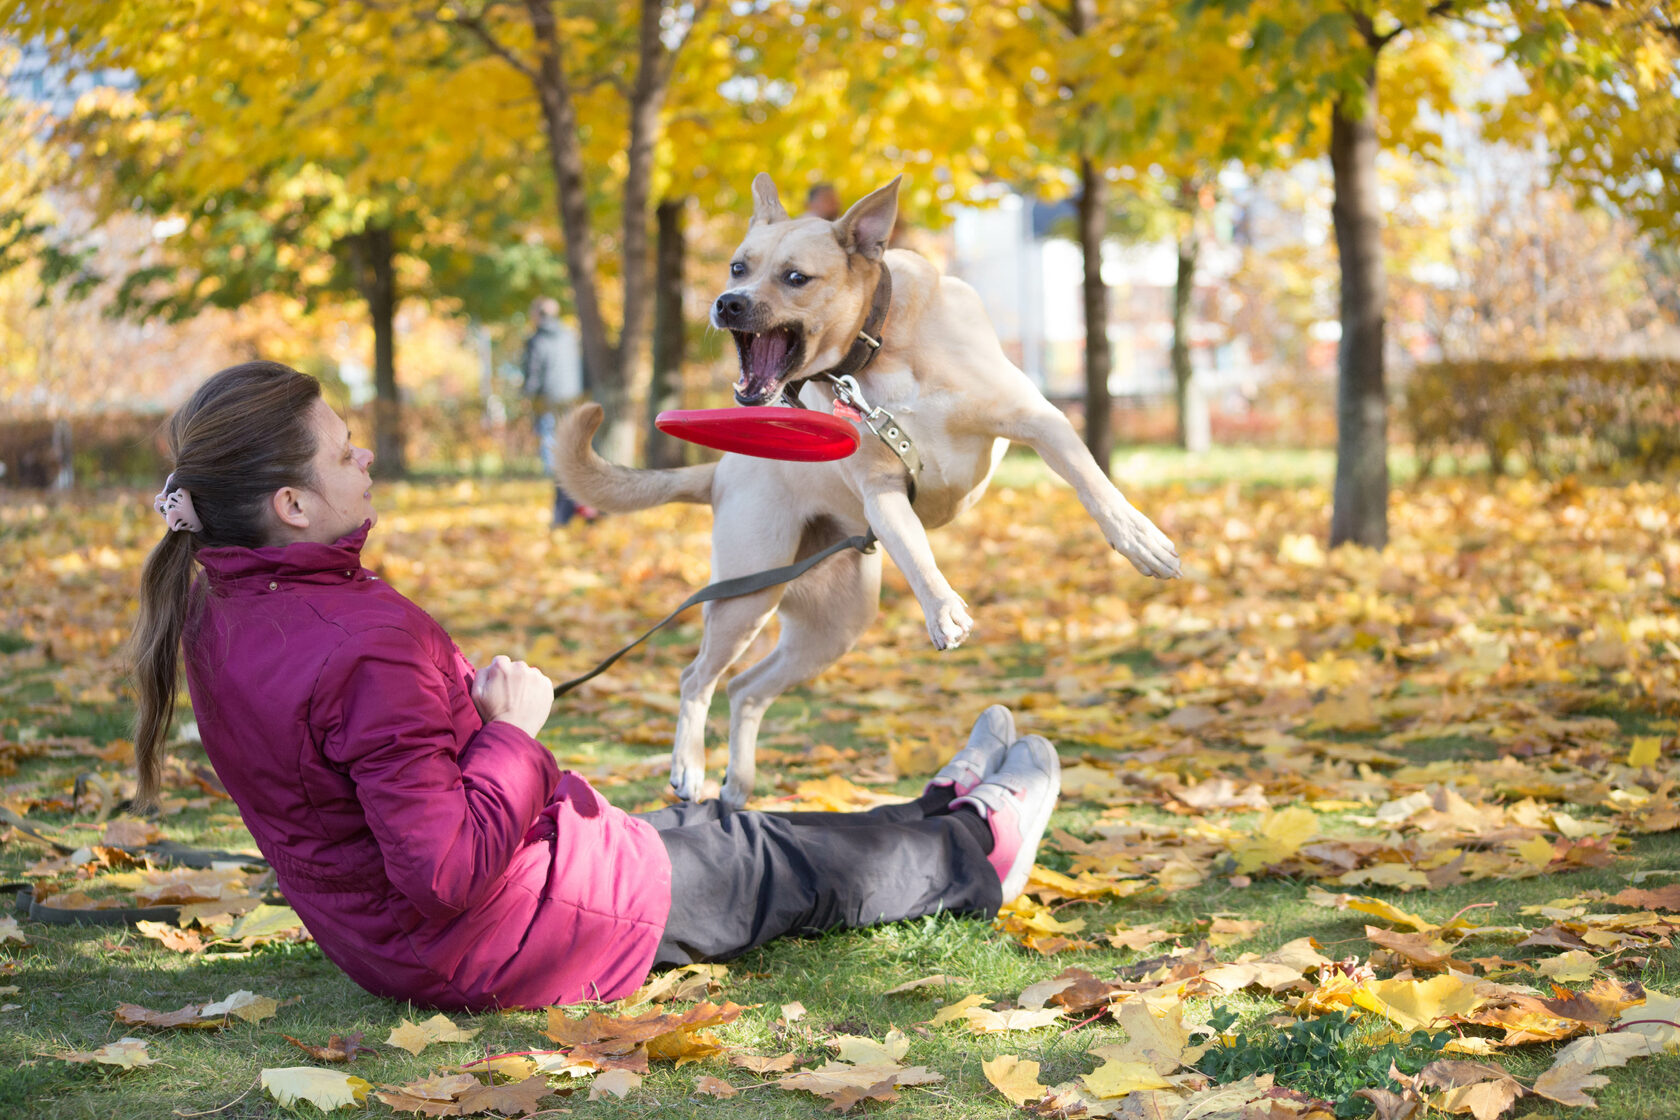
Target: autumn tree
(1601, 88)
(284, 170)
(1369, 66)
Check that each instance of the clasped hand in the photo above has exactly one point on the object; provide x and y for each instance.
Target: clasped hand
(513, 692)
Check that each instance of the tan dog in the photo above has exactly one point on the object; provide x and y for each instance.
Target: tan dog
(802, 291)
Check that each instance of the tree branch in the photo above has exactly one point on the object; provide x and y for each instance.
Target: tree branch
(476, 25)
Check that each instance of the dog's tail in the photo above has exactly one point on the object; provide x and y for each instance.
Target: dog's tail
(592, 481)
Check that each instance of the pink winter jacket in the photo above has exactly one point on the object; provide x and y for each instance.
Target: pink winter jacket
(434, 857)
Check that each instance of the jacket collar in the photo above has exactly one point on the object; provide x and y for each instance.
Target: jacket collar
(304, 561)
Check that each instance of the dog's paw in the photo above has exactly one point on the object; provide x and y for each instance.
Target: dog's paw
(687, 779)
(1150, 551)
(949, 624)
(733, 795)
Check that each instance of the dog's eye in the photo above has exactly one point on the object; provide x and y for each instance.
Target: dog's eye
(737, 268)
(795, 278)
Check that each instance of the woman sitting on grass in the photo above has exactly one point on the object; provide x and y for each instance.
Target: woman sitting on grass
(428, 841)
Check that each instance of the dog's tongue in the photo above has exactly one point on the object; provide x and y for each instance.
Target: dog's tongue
(766, 356)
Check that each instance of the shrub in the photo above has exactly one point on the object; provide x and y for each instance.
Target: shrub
(1561, 415)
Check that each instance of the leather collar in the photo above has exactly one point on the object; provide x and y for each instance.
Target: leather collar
(863, 349)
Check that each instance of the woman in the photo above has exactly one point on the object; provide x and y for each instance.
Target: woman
(428, 841)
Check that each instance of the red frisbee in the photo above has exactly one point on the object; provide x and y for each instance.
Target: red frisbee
(798, 434)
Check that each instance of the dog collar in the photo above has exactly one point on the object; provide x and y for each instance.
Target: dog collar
(864, 347)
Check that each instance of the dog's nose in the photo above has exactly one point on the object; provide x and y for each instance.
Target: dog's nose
(731, 304)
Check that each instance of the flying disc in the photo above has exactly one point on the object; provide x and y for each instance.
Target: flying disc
(798, 434)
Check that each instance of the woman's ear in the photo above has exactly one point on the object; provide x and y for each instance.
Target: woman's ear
(287, 506)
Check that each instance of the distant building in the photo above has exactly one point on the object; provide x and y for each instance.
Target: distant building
(1032, 285)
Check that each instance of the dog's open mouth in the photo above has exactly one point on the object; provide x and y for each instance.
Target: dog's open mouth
(766, 361)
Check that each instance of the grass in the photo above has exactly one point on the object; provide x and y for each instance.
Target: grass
(70, 978)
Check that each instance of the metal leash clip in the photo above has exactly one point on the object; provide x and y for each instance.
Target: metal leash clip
(849, 391)
(881, 422)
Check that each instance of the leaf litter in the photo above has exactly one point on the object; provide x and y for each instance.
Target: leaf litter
(1255, 720)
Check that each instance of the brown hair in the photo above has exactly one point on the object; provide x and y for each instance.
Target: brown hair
(244, 434)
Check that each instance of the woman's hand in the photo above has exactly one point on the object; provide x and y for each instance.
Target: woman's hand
(513, 692)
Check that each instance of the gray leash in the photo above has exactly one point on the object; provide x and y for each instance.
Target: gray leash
(729, 589)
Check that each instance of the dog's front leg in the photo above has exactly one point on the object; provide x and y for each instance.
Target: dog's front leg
(905, 538)
(1131, 534)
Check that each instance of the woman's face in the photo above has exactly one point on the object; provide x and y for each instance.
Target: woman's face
(341, 497)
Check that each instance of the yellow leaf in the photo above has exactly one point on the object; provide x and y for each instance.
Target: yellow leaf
(1645, 751)
(955, 1012)
(1280, 836)
(129, 1053)
(1014, 1078)
(415, 1037)
(1419, 1004)
(1116, 1079)
(866, 1051)
(1536, 851)
(1569, 968)
(1386, 875)
(326, 1089)
(982, 1020)
(248, 1006)
(1390, 912)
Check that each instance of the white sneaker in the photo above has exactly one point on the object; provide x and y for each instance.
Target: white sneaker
(990, 740)
(1016, 802)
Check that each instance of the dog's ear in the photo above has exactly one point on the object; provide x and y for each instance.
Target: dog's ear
(767, 204)
(868, 225)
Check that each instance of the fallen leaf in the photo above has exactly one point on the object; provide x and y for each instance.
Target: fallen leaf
(1014, 1078)
(128, 1053)
(326, 1089)
(246, 1005)
(415, 1037)
(938, 979)
(338, 1048)
(514, 1098)
(714, 1087)
(755, 1063)
(1573, 1070)
(614, 1082)
(1118, 1078)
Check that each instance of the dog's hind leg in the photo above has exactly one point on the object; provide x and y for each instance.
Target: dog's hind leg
(822, 615)
(730, 627)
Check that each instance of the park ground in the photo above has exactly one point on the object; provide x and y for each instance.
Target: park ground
(1476, 724)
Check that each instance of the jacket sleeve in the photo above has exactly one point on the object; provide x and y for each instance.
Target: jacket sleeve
(449, 812)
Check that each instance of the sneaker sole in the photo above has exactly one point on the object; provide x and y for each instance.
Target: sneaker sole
(1034, 818)
(959, 788)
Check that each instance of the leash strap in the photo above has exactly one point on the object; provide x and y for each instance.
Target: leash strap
(729, 589)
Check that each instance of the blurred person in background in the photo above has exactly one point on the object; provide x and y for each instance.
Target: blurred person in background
(555, 377)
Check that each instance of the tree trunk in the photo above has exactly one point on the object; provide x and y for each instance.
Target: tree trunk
(373, 257)
(1360, 510)
(665, 390)
(612, 365)
(1184, 286)
(1093, 225)
(647, 102)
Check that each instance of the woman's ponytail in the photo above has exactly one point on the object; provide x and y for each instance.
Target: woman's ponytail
(155, 650)
(244, 434)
